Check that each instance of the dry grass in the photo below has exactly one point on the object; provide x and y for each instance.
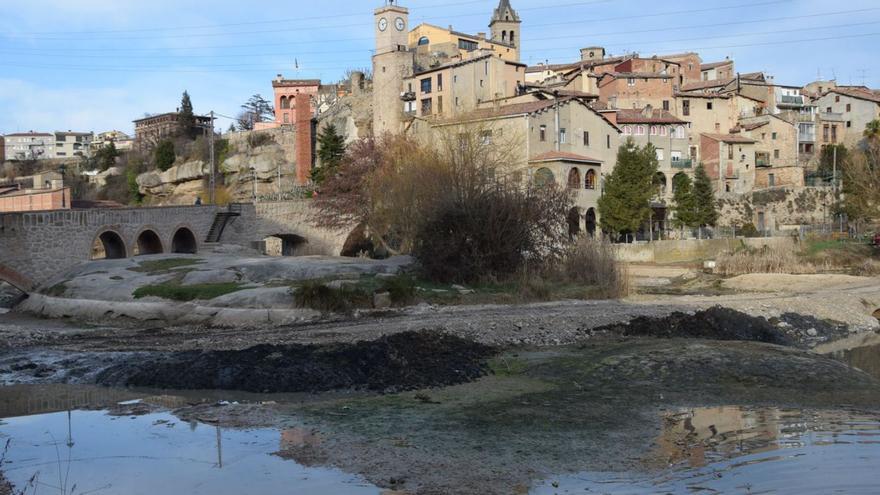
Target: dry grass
(764, 260)
(592, 262)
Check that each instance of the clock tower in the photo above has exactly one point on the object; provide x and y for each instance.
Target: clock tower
(392, 62)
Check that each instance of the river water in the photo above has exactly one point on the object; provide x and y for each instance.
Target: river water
(77, 440)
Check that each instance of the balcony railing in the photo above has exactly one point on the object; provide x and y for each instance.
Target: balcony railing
(408, 96)
(807, 137)
(682, 164)
(791, 100)
(762, 162)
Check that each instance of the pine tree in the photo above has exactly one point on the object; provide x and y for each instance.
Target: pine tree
(231, 127)
(685, 203)
(164, 155)
(331, 149)
(186, 117)
(706, 212)
(626, 203)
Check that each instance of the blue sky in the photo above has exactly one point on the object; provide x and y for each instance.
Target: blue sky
(99, 64)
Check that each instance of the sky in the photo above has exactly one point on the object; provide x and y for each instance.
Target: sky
(96, 65)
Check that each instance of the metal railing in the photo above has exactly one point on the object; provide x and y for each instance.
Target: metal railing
(682, 164)
(792, 100)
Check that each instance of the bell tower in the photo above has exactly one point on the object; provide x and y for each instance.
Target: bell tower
(392, 63)
(505, 25)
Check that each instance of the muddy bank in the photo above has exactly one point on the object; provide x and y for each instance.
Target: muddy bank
(405, 361)
(720, 323)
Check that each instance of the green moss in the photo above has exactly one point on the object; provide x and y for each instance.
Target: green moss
(156, 267)
(176, 292)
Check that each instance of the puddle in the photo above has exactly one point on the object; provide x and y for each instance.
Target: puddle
(82, 451)
(747, 450)
(865, 358)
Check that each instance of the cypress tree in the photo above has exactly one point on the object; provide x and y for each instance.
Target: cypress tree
(685, 203)
(186, 117)
(704, 199)
(331, 149)
(626, 203)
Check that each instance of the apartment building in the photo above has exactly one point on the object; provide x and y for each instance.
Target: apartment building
(29, 146)
(73, 144)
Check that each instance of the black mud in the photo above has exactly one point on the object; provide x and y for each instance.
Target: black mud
(405, 361)
(726, 324)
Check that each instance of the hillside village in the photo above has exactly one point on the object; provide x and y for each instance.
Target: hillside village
(566, 121)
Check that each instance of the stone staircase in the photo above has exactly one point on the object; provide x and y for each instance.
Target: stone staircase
(221, 220)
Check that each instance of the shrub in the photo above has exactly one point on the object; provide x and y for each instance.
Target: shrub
(317, 295)
(764, 260)
(257, 139)
(748, 230)
(164, 156)
(402, 289)
(592, 262)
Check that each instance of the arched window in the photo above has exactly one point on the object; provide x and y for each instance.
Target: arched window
(424, 41)
(511, 37)
(660, 183)
(574, 179)
(591, 222)
(544, 177)
(574, 222)
(285, 103)
(590, 179)
(504, 36)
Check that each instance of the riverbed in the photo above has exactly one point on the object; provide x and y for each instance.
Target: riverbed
(612, 414)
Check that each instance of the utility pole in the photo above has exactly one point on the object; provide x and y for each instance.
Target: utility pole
(213, 166)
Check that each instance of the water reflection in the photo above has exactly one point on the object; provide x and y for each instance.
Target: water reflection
(748, 450)
(865, 358)
(95, 452)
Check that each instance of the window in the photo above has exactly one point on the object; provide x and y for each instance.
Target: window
(627, 130)
(660, 154)
(586, 138)
(828, 110)
(427, 106)
(590, 179)
(486, 67)
(456, 101)
(848, 123)
(663, 130)
(439, 104)
(686, 107)
(542, 133)
(285, 103)
(675, 156)
(771, 180)
(730, 152)
(467, 45)
(773, 136)
(454, 79)
(608, 141)
(640, 130)
(666, 105)
(849, 107)
(825, 130)
(834, 134)
(653, 130)
(426, 85)
(563, 139)
(439, 82)
(631, 81)
(486, 137)
(837, 99)
(708, 105)
(717, 127)
(286, 118)
(775, 153)
(481, 83)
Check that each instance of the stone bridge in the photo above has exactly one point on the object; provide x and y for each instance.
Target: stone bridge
(36, 247)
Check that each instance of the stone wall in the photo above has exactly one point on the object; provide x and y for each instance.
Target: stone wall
(691, 250)
(780, 209)
(294, 218)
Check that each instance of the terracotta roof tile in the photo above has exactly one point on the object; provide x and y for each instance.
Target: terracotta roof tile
(730, 138)
(563, 156)
(713, 65)
(638, 116)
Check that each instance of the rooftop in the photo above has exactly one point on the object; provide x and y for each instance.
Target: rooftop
(715, 65)
(730, 138)
(562, 156)
(643, 116)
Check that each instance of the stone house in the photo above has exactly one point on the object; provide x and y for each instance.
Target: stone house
(844, 112)
(637, 90)
(148, 131)
(729, 160)
(777, 161)
(460, 86)
(690, 65)
(715, 71)
(286, 91)
(563, 141)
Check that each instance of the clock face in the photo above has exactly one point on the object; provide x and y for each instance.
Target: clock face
(399, 24)
(383, 24)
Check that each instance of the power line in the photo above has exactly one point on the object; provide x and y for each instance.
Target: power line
(54, 52)
(240, 68)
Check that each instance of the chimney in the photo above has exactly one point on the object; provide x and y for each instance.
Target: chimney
(592, 53)
(482, 36)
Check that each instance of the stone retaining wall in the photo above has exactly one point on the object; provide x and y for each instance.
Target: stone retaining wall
(691, 250)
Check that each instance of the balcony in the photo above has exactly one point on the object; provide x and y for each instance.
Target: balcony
(762, 162)
(807, 137)
(682, 164)
(790, 100)
(408, 96)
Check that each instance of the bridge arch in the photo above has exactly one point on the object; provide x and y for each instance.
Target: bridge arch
(108, 244)
(184, 241)
(147, 241)
(16, 279)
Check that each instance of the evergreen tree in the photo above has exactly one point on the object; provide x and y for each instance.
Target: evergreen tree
(106, 156)
(164, 155)
(626, 204)
(231, 127)
(706, 212)
(685, 203)
(331, 149)
(186, 117)
(257, 109)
